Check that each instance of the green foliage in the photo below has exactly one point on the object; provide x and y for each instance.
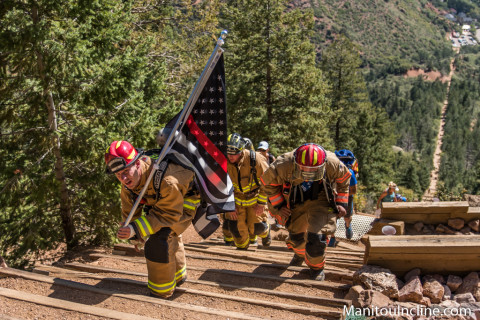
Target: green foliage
(79, 58)
(356, 124)
(276, 92)
(460, 164)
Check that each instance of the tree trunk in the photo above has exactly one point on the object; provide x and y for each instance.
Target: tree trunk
(65, 207)
(268, 100)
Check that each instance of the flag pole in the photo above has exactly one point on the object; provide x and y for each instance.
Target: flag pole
(217, 52)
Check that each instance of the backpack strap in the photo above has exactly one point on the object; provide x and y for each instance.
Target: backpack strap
(253, 166)
(158, 177)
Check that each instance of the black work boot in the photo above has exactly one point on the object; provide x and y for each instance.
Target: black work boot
(317, 275)
(296, 261)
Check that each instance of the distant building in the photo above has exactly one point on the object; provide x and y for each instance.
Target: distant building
(465, 29)
(462, 18)
(450, 17)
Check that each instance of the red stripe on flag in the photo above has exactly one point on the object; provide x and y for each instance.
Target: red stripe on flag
(206, 143)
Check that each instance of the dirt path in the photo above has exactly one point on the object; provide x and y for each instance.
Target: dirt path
(432, 189)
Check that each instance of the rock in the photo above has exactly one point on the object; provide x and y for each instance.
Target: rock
(474, 224)
(437, 277)
(378, 279)
(433, 289)
(464, 298)
(471, 284)
(474, 307)
(443, 229)
(418, 226)
(456, 223)
(450, 304)
(447, 293)
(371, 299)
(412, 273)
(353, 293)
(412, 291)
(426, 301)
(466, 230)
(454, 282)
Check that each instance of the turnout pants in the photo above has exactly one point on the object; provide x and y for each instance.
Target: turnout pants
(248, 226)
(310, 224)
(166, 266)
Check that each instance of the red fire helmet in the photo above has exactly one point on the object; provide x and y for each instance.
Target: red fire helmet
(120, 155)
(310, 161)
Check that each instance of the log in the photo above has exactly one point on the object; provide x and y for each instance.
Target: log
(428, 212)
(453, 254)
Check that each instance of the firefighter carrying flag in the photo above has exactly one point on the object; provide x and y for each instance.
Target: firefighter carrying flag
(168, 185)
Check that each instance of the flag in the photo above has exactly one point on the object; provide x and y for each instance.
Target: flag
(201, 144)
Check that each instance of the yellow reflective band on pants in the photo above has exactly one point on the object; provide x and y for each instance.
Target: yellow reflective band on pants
(162, 288)
(180, 274)
(191, 203)
(243, 245)
(246, 203)
(144, 226)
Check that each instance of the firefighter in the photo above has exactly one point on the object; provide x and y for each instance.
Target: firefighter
(249, 219)
(264, 149)
(307, 190)
(169, 205)
(348, 159)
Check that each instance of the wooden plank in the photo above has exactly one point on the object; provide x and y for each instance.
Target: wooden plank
(457, 254)
(282, 294)
(425, 207)
(380, 223)
(427, 212)
(306, 282)
(346, 275)
(81, 286)
(68, 305)
(263, 303)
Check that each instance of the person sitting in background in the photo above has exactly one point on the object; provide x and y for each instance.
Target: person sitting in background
(388, 195)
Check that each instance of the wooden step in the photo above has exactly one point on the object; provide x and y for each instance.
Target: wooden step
(306, 282)
(68, 305)
(428, 212)
(452, 254)
(141, 298)
(344, 275)
(263, 303)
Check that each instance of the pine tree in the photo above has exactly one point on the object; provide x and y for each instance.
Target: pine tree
(274, 90)
(348, 95)
(73, 80)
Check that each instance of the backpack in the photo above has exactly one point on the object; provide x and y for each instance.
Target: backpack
(253, 170)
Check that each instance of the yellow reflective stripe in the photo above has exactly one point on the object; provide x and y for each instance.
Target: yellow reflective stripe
(228, 238)
(243, 245)
(246, 203)
(262, 198)
(191, 204)
(181, 273)
(162, 288)
(118, 144)
(254, 238)
(144, 226)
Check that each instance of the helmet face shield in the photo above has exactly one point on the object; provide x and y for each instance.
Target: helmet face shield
(309, 173)
(235, 144)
